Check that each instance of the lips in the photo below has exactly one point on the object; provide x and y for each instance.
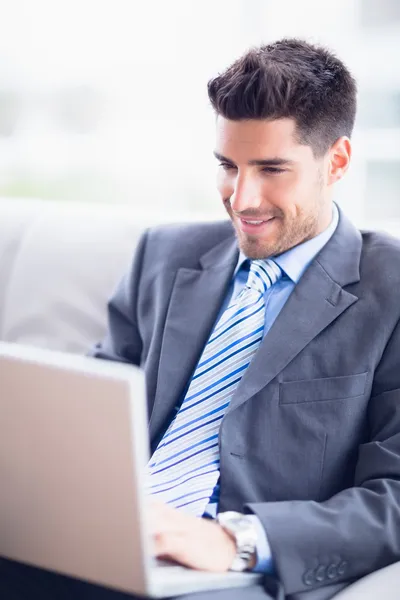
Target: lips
(255, 225)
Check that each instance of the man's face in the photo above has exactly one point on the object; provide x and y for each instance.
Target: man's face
(273, 188)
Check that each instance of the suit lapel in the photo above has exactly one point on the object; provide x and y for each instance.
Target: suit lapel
(195, 302)
(316, 301)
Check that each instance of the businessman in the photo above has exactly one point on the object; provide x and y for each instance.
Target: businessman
(271, 345)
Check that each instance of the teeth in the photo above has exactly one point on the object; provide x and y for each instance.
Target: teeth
(254, 222)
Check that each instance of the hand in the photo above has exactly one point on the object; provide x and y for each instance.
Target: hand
(191, 541)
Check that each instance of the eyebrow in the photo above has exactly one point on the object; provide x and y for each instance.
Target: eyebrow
(264, 162)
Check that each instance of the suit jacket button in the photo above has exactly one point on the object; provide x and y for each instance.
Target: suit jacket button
(332, 572)
(342, 568)
(308, 577)
(320, 574)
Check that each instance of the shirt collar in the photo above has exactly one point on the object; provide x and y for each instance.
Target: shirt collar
(295, 261)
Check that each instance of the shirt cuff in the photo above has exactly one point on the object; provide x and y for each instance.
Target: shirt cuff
(264, 562)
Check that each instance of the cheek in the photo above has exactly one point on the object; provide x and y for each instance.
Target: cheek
(224, 184)
(287, 191)
(280, 190)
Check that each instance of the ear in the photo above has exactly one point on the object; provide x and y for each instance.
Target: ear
(339, 159)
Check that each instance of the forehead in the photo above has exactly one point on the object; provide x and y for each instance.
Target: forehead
(258, 139)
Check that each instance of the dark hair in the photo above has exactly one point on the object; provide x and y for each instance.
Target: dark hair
(290, 78)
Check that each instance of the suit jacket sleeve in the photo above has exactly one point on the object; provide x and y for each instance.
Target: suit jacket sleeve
(123, 341)
(356, 531)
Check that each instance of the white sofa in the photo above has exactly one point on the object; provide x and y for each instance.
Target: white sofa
(59, 263)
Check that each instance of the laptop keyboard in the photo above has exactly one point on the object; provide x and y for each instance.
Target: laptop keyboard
(160, 562)
(171, 566)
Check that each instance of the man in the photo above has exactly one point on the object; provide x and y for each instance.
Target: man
(271, 348)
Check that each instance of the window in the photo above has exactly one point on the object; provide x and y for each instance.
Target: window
(377, 13)
(382, 201)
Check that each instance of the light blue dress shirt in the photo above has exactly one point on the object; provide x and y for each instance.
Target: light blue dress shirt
(293, 264)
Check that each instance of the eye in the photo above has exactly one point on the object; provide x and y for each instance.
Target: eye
(227, 166)
(273, 170)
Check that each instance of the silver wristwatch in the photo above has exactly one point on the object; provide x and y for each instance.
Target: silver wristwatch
(243, 531)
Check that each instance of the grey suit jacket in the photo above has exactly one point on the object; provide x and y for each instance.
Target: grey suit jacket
(311, 440)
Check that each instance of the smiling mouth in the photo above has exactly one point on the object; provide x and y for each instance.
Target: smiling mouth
(254, 222)
(255, 226)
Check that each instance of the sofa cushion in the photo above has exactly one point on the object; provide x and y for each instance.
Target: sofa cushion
(16, 216)
(59, 263)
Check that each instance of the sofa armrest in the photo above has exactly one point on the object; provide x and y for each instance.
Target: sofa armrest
(383, 584)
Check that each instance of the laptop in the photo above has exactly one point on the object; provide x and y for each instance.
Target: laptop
(73, 451)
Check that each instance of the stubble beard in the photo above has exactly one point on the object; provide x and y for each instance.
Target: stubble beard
(288, 233)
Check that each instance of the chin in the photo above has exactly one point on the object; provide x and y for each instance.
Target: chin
(258, 246)
(255, 249)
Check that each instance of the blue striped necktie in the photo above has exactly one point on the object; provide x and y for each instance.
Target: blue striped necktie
(184, 468)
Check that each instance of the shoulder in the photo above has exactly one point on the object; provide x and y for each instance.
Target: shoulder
(381, 251)
(200, 231)
(183, 244)
(380, 272)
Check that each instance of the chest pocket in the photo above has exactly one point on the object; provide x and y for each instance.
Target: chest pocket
(320, 390)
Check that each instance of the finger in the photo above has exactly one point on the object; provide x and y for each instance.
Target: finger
(166, 544)
(159, 523)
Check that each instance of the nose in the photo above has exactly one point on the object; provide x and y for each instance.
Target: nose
(246, 196)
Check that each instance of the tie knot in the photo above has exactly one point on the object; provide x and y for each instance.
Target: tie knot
(263, 274)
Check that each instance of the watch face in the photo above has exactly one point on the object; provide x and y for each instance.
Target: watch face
(243, 530)
(239, 522)
(236, 520)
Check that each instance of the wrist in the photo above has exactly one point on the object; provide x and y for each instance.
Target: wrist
(252, 561)
(242, 531)
(230, 546)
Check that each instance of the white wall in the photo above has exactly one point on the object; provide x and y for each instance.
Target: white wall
(105, 100)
